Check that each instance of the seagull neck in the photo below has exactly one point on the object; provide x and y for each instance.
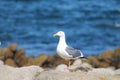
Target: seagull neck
(62, 41)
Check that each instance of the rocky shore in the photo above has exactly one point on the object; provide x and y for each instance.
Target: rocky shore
(11, 56)
(78, 71)
(14, 65)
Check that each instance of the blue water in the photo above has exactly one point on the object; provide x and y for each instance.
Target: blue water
(92, 26)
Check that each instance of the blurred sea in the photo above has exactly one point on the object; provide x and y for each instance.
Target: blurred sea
(92, 26)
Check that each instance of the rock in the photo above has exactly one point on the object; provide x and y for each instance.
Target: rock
(30, 69)
(8, 53)
(106, 59)
(13, 47)
(49, 62)
(77, 62)
(86, 66)
(80, 66)
(117, 72)
(10, 62)
(104, 64)
(22, 61)
(103, 71)
(117, 51)
(38, 73)
(110, 58)
(62, 61)
(19, 54)
(58, 60)
(20, 58)
(116, 58)
(59, 75)
(106, 56)
(37, 61)
(40, 60)
(91, 75)
(23, 73)
(5, 53)
(62, 67)
(1, 62)
(93, 61)
(53, 61)
(50, 59)
(2, 57)
(100, 74)
(30, 61)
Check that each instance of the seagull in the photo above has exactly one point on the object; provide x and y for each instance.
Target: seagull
(64, 51)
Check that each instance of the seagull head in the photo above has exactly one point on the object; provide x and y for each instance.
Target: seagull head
(59, 33)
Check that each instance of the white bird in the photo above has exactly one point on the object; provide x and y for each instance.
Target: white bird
(64, 51)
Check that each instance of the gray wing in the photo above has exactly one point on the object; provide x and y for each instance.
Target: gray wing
(74, 52)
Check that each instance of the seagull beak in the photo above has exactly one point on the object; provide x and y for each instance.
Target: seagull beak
(55, 35)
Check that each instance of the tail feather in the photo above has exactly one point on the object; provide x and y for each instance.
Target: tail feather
(83, 57)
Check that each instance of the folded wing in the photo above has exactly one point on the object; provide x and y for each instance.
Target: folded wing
(74, 52)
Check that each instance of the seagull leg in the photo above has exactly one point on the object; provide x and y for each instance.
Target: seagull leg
(68, 65)
(69, 62)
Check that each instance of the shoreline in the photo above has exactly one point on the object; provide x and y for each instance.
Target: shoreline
(85, 72)
(15, 57)
(17, 66)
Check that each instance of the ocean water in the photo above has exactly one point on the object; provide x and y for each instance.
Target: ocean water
(92, 26)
